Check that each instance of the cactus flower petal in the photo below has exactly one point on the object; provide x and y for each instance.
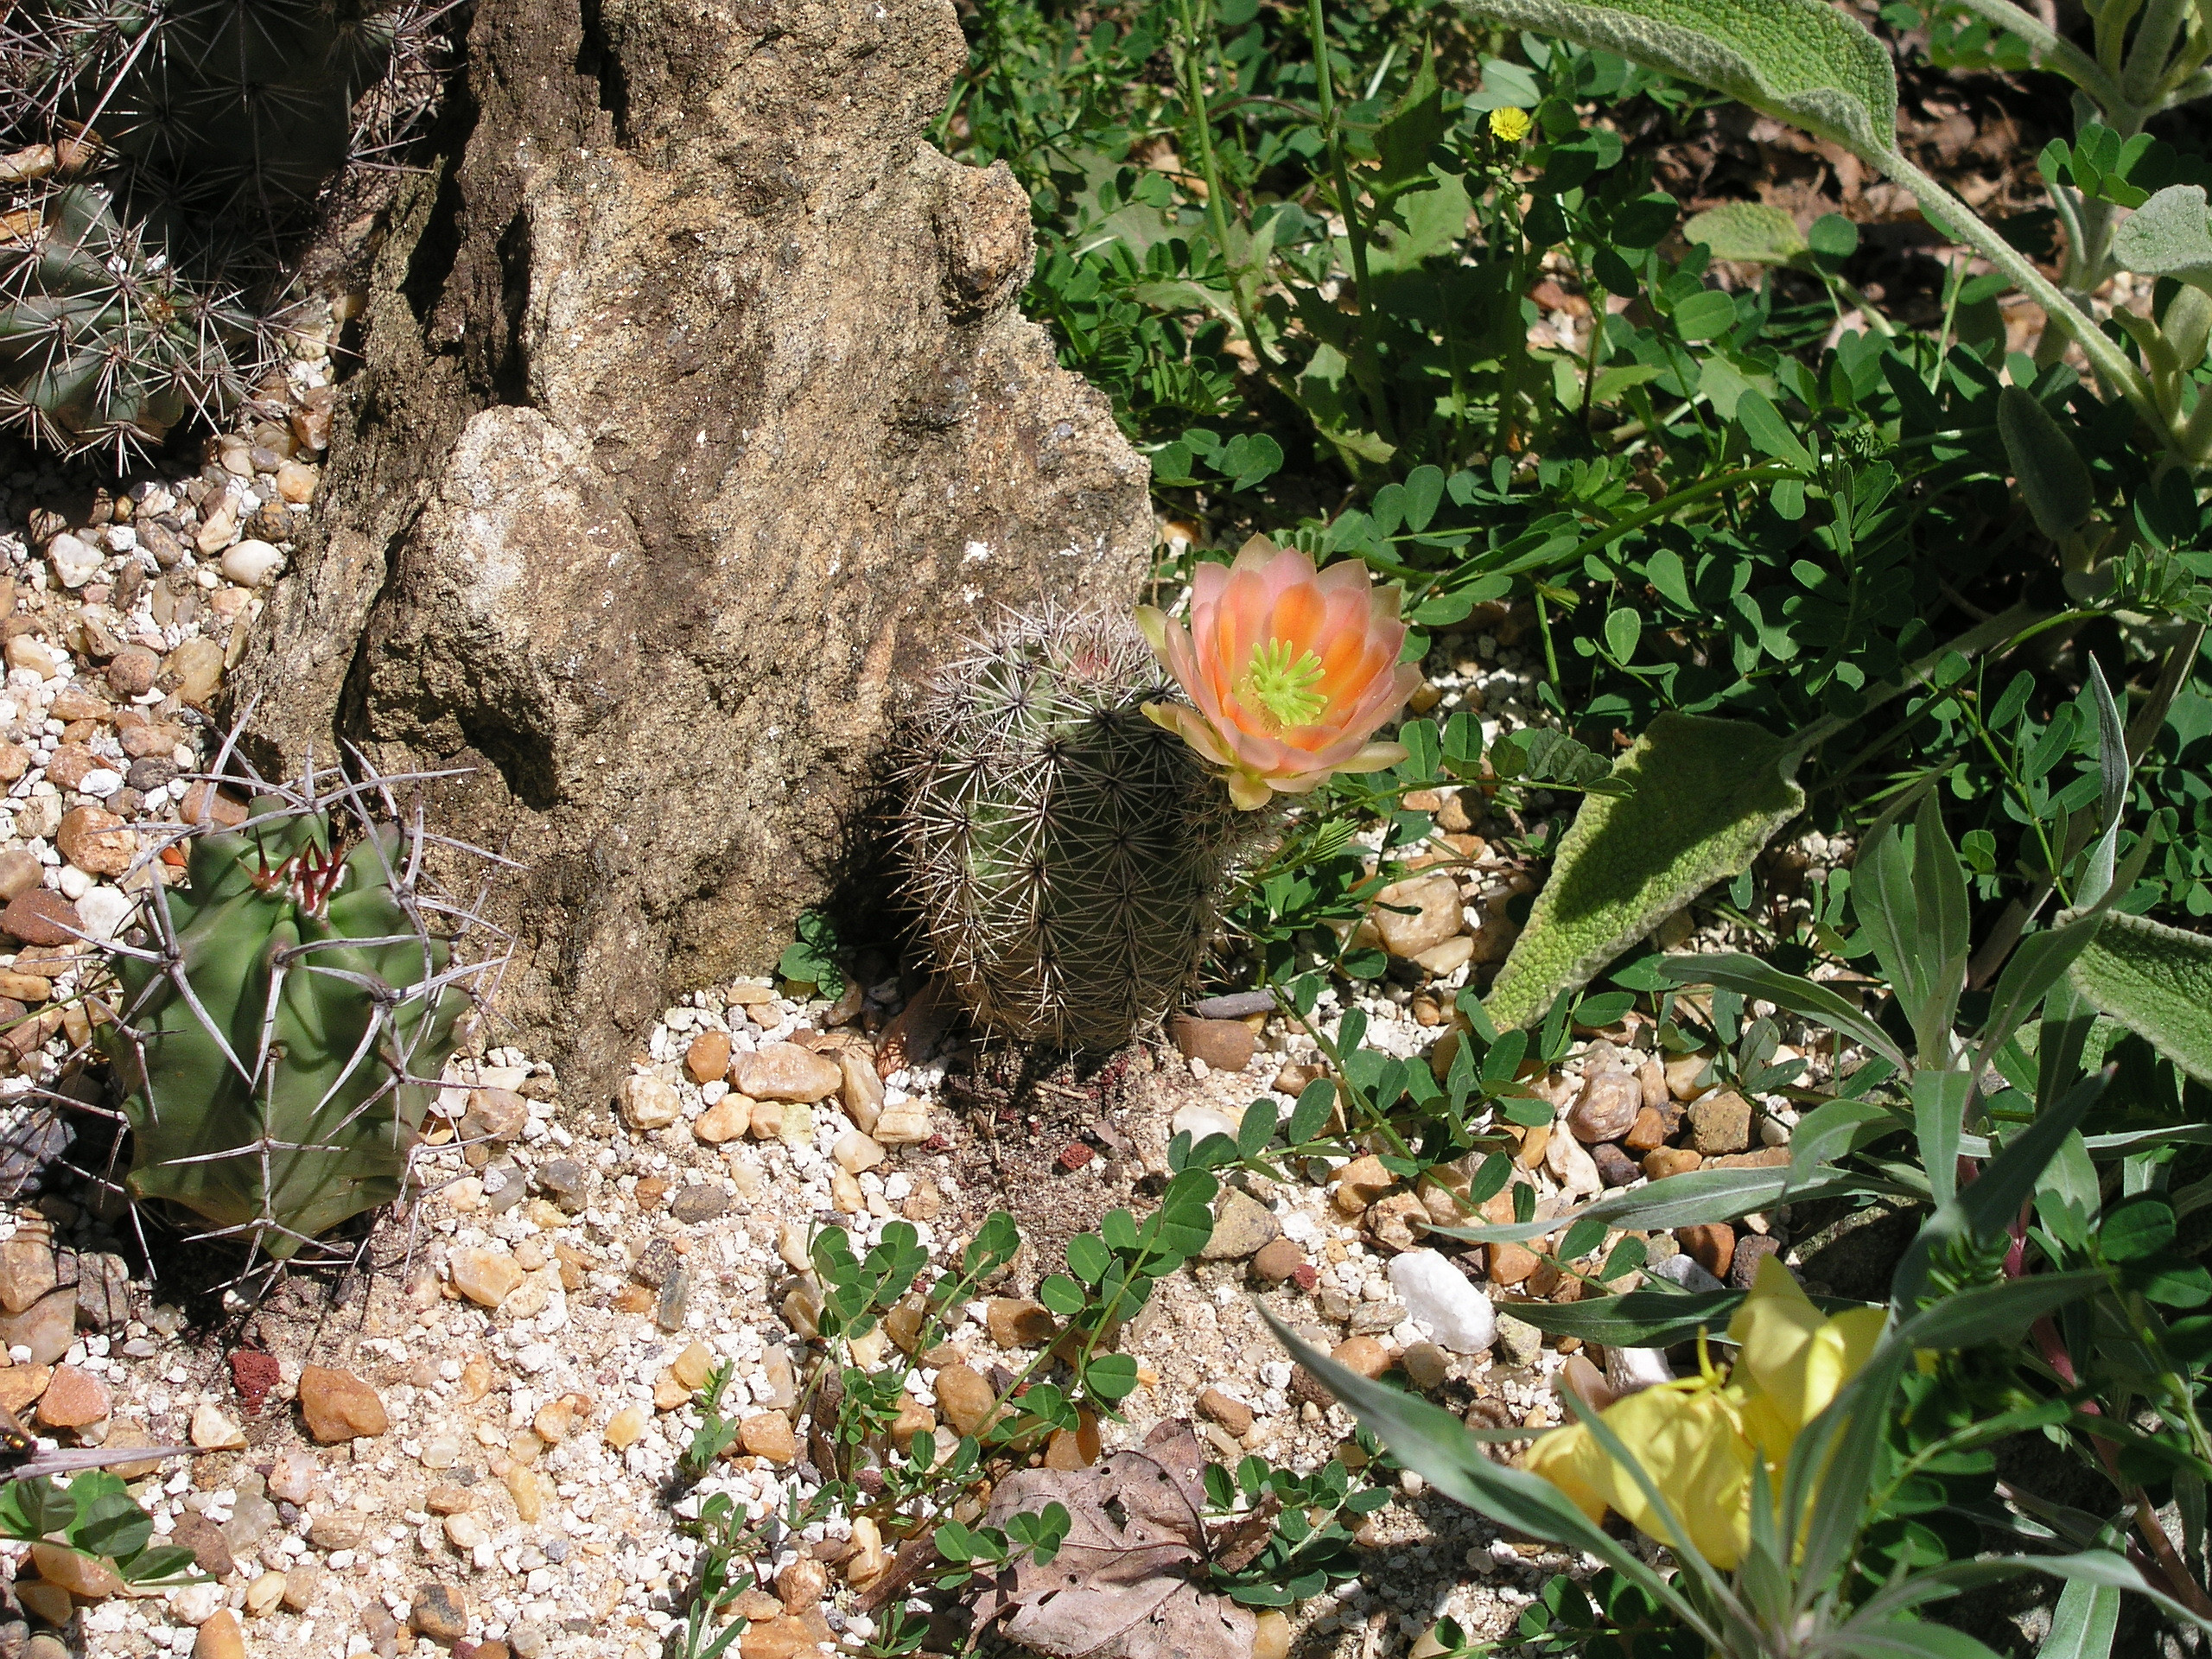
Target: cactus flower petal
(1289, 671)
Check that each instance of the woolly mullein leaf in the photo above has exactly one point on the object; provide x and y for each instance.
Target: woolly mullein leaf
(1704, 796)
(2155, 980)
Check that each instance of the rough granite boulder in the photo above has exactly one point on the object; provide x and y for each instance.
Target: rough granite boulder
(698, 424)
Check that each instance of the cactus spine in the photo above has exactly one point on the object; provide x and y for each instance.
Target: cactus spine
(279, 1032)
(1066, 852)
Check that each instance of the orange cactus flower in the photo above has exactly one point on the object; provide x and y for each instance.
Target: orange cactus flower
(1291, 671)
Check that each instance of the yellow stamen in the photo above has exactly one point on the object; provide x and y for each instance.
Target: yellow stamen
(1283, 686)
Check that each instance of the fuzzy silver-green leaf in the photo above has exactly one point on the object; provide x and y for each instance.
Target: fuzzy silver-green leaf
(1706, 796)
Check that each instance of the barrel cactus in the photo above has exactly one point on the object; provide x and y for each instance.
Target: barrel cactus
(1065, 851)
(281, 1030)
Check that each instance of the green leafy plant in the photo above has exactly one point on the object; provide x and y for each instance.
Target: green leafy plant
(94, 1515)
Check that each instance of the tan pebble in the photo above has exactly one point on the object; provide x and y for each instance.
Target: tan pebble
(465, 1531)
(625, 1426)
(447, 1499)
(726, 1120)
(340, 1406)
(219, 1637)
(301, 1583)
(1671, 1160)
(861, 1090)
(49, 1601)
(802, 1584)
(1017, 1323)
(648, 1103)
(768, 1434)
(487, 1277)
(668, 1394)
(1359, 1182)
(1271, 1635)
(845, 1194)
(528, 1491)
(693, 1366)
(708, 1057)
(1232, 1415)
(20, 1386)
(212, 1431)
(1362, 1354)
(964, 1398)
(74, 1399)
(786, 1071)
(904, 1126)
(867, 1561)
(88, 1578)
(556, 1420)
(265, 1593)
(855, 1152)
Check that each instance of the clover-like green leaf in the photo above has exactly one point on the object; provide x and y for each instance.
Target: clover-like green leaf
(1704, 796)
(1802, 61)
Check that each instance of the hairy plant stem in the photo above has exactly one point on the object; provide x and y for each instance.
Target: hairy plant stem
(1366, 368)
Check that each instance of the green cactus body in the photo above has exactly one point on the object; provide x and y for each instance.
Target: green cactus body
(193, 138)
(280, 1047)
(1067, 854)
(100, 346)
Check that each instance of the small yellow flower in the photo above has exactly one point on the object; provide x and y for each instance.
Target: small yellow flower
(1701, 1440)
(1509, 126)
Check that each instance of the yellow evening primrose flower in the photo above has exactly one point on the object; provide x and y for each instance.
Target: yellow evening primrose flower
(1701, 1440)
(1791, 1359)
(1508, 125)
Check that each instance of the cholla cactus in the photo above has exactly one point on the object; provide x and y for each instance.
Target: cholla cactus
(1066, 852)
(280, 1031)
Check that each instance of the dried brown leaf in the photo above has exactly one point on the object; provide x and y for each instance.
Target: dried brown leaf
(1121, 1585)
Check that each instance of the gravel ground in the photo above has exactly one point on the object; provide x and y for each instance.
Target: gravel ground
(471, 1443)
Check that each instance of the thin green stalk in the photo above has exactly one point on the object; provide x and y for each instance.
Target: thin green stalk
(1366, 368)
(2113, 364)
(2148, 55)
(1210, 168)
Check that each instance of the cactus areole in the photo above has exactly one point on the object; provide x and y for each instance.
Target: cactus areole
(280, 1039)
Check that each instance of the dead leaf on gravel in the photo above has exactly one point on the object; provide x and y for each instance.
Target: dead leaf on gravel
(1125, 1582)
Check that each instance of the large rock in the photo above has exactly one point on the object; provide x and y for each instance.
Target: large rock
(697, 425)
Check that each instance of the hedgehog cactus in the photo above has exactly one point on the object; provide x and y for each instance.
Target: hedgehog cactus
(281, 1037)
(99, 345)
(1067, 852)
(206, 130)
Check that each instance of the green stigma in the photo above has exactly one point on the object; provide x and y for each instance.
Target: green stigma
(1284, 687)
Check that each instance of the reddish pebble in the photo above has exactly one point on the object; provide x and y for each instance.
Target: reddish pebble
(253, 1374)
(1075, 1155)
(1306, 1275)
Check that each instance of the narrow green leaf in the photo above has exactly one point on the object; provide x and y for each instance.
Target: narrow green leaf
(1642, 1318)
(1827, 1133)
(1699, 1195)
(2053, 478)
(1763, 425)
(1705, 796)
(1752, 978)
(1939, 1106)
